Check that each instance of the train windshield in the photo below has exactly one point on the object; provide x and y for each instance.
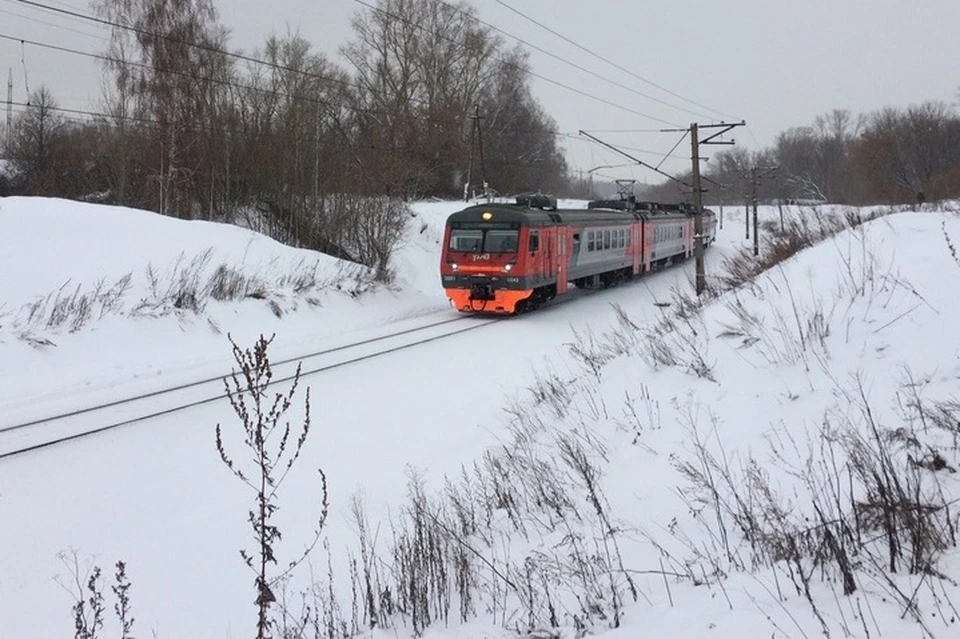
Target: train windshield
(484, 240)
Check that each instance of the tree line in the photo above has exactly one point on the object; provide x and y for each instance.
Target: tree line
(281, 138)
(189, 128)
(890, 156)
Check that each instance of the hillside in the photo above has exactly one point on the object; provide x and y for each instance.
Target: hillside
(628, 463)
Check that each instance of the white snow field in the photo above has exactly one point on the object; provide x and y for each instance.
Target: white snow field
(662, 475)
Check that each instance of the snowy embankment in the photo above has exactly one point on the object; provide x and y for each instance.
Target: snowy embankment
(634, 463)
(154, 297)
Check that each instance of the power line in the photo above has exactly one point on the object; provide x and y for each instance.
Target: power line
(640, 162)
(608, 61)
(670, 152)
(227, 83)
(568, 62)
(514, 64)
(51, 24)
(619, 147)
(25, 107)
(622, 130)
(203, 47)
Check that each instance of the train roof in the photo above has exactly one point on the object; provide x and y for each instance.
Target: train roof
(520, 214)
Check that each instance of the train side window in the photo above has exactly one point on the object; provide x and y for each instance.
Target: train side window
(534, 241)
(606, 239)
(589, 240)
(623, 237)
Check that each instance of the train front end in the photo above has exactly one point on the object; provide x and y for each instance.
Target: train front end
(481, 267)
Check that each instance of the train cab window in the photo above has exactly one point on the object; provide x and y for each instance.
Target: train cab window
(534, 244)
(466, 240)
(500, 242)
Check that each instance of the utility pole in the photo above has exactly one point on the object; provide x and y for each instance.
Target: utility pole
(697, 208)
(695, 142)
(9, 130)
(753, 197)
(721, 207)
(476, 135)
(694, 132)
(757, 174)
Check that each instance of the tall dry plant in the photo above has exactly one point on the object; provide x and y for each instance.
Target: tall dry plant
(275, 447)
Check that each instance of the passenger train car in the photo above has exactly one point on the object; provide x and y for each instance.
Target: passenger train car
(510, 258)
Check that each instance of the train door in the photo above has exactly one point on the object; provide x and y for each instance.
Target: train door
(646, 245)
(562, 258)
(534, 260)
(636, 248)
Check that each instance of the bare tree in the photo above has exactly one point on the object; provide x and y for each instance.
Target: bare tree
(169, 71)
(902, 154)
(523, 153)
(422, 67)
(32, 150)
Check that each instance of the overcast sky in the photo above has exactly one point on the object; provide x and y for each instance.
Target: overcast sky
(774, 63)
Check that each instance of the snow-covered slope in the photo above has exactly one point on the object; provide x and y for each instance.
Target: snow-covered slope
(604, 398)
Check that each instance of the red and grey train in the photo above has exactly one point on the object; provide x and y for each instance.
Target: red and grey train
(511, 258)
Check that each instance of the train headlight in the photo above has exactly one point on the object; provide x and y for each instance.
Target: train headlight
(507, 267)
(453, 265)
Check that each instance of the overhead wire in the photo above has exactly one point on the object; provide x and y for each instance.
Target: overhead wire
(250, 59)
(203, 47)
(24, 107)
(670, 152)
(619, 146)
(76, 15)
(212, 80)
(622, 130)
(507, 62)
(608, 61)
(530, 45)
(51, 24)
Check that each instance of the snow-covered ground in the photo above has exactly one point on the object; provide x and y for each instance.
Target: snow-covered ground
(861, 325)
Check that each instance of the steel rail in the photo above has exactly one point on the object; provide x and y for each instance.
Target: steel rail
(187, 385)
(207, 400)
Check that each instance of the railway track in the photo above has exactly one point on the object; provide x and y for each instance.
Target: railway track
(41, 433)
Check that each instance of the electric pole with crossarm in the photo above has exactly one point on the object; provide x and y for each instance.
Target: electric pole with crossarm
(695, 143)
